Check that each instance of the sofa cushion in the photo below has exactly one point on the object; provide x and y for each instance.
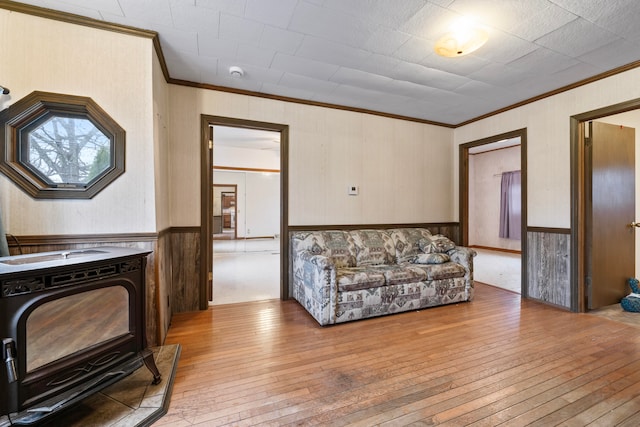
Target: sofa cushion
(373, 247)
(448, 270)
(402, 274)
(435, 258)
(436, 244)
(334, 244)
(357, 278)
(407, 242)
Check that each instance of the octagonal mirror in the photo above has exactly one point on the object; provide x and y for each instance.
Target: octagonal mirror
(60, 146)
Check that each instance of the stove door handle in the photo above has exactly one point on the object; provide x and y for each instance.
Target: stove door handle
(9, 352)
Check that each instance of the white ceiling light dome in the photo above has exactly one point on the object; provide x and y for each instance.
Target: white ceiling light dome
(464, 37)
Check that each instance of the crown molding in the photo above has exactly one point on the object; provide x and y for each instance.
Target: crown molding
(566, 88)
(103, 25)
(71, 18)
(74, 19)
(304, 102)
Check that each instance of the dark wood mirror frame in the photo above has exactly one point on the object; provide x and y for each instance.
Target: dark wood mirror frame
(35, 106)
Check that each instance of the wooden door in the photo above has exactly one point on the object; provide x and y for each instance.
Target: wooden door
(610, 153)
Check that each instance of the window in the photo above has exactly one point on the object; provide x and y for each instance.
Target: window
(60, 146)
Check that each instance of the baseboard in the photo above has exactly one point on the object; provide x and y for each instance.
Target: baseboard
(489, 248)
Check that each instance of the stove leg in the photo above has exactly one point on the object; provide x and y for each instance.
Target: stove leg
(150, 363)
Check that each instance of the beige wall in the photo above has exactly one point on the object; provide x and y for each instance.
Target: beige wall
(401, 167)
(161, 146)
(115, 70)
(257, 201)
(548, 142)
(407, 172)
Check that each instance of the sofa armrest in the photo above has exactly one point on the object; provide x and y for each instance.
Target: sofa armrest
(314, 285)
(464, 256)
(320, 261)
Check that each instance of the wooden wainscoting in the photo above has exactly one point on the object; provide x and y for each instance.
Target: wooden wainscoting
(163, 272)
(172, 274)
(185, 265)
(147, 241)
(497, 359)
(548, 265)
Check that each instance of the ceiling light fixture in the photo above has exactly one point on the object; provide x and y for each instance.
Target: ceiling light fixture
(465, 37)
(236, 72)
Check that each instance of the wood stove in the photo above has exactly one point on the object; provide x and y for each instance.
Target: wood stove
(71, 323)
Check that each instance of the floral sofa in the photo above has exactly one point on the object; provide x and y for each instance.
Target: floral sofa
(344, 275)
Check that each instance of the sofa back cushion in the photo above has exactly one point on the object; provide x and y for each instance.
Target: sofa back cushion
(436, 244)
(334, 244)
(407, 242)
(373, 247)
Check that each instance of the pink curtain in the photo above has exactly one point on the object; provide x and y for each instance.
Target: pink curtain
(510, 212)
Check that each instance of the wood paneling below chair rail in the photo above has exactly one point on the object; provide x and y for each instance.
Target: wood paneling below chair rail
(34, 244)
(185, 269)
(172, 274)
(548, 265)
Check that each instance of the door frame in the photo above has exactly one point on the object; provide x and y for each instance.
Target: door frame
(206, 198)
(235, 207)
(464, 194)
(578, 201)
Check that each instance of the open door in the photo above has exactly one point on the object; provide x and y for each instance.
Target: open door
(610, 210)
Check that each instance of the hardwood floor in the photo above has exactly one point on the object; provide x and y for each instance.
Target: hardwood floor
(494, 361)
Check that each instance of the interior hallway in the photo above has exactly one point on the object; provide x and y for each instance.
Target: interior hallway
(245, 270)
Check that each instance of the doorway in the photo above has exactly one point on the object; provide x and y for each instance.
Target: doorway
(246, 267)
(225, 212)
(603, 239)
(488, 168)
(207, 168)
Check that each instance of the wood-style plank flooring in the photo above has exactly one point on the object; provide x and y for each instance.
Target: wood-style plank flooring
(495, 361)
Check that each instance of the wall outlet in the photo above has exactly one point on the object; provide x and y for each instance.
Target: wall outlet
(248, 231)
(353, 190)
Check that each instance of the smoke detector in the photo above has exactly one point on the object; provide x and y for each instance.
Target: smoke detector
(236, 72)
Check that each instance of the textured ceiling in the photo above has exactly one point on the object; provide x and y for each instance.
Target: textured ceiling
(378, 54)
(246, 138)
